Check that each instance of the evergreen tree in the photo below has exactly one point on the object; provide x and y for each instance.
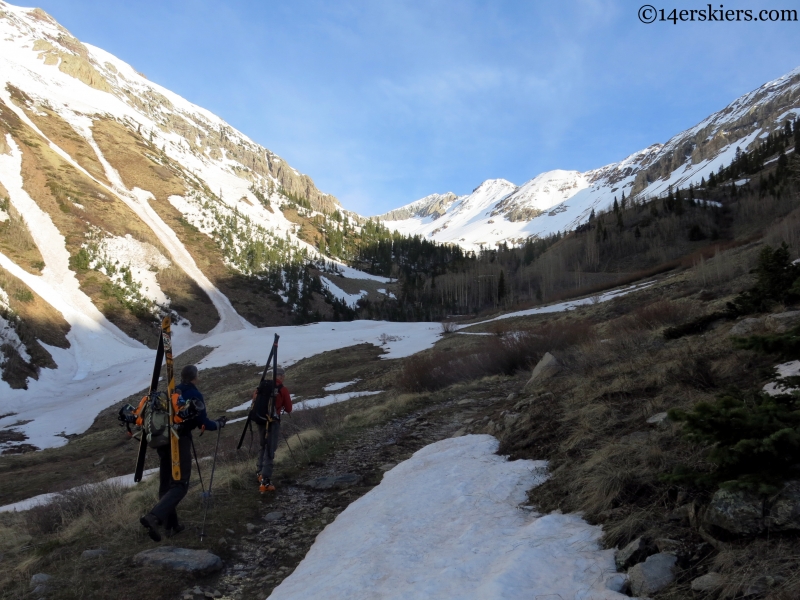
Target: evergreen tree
(616, 205)
(797, 137)
(501, 286)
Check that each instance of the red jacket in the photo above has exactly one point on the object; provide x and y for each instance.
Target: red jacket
(283, 401)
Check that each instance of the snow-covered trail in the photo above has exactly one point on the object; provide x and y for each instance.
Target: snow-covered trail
(446, 523)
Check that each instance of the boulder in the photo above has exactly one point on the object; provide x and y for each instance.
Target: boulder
(633, 553)
(709, 582)
(544, 369)
(273, 516)
(749, 326)
(658, 419)
(330, 482)
(783, 322)
(652, 575)
(784, 512)
(93, 553)
(685, 515)
(39, 579)
(180, 559)
(736, 513)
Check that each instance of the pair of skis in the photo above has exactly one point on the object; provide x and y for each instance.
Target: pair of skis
(272, 358)
(164, 351)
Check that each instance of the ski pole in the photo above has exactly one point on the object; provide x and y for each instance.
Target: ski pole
(199, 474)
(290, 449)
(207, 495)
(302, 445)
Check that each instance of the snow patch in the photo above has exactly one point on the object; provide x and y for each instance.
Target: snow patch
(446, 523)
(331, 399)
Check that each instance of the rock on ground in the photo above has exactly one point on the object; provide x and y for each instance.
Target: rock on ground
(708, 582)
(633, 553)
(784, 513)
(39, 579)
(736, 513)
(747, 326)
(545, 368)
(652, 575)
(180, 559)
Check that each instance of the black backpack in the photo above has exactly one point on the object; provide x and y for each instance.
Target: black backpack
(263, 405)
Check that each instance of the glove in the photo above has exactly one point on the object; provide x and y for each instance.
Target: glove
(221, 421)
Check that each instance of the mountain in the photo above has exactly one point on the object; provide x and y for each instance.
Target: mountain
(120, 201)
(497, 211)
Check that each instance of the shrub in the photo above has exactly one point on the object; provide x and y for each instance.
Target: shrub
(658, 314)
(698, 325)
(507, 354)
(777, 280)
(755, 440)
(786, 345)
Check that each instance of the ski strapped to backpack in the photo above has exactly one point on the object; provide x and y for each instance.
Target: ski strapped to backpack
(272, 358)
(137, 474)
(159, 414)
(173, 430)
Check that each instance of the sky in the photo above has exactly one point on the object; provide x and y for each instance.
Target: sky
(384, 102)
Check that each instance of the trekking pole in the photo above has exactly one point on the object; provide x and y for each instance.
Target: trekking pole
(290, 449)
(199, 474)
(207, 495)
(302, 445)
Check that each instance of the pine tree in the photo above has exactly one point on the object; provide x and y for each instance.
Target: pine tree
(797, 137)
(501, 286)
(678, 202)
(616, 205)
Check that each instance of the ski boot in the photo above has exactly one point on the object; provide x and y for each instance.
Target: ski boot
(150, 522)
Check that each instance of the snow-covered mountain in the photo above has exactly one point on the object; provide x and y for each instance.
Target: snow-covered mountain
(498, 211)
(120, 200)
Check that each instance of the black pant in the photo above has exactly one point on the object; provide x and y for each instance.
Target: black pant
(269, 444)
(171, 492)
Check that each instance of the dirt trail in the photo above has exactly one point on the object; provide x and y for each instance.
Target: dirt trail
(273, 546)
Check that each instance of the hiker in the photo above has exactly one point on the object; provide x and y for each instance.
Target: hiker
(170, 492)
(269, 425)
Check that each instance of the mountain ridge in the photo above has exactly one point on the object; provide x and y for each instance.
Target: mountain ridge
(534, 209)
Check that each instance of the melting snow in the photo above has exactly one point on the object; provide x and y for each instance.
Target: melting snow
(446, 523)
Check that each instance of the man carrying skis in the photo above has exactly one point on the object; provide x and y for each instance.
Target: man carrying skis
(267, 417)
(163, 515)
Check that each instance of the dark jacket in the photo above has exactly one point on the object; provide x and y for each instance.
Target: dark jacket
(190, 392)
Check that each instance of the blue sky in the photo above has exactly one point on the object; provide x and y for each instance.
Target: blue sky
(382, 103)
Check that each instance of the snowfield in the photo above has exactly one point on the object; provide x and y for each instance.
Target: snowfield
(66, 401)
(447, 523)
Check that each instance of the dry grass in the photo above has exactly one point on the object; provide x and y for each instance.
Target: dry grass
(508, 351)
(65, 137)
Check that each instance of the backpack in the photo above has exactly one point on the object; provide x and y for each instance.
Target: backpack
(263, 404)
(152, 415)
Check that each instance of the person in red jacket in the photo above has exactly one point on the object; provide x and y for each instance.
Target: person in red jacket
(269, 425)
